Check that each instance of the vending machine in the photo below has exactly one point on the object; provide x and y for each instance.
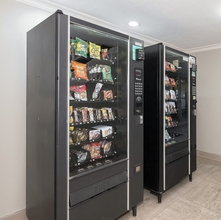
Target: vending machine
(169, 154)
(193, 113)
(84, 121)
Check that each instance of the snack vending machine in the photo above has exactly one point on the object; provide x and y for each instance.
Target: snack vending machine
(84, 110)
(167, 141)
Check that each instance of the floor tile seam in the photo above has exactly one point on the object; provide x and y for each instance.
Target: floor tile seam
(212, 181)
(205, 208)
(166, 207)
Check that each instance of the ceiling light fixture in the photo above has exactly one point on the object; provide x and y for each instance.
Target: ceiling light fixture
(133, 23)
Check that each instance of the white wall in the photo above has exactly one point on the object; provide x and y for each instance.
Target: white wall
(209, 101)
(15, 20)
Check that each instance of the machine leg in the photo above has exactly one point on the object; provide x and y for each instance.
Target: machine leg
(159, 198)
(134, 210)
(190, 177)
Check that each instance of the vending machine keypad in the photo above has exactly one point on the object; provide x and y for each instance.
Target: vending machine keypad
(138, 91)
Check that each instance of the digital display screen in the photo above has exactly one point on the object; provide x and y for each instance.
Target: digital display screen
(138, 73)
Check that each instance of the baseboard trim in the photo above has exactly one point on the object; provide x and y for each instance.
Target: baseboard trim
(209, 155)
(20, 215)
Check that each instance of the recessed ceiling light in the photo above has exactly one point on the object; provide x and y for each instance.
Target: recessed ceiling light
(133, 23)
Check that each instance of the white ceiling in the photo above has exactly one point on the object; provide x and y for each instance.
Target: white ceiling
(185, 24)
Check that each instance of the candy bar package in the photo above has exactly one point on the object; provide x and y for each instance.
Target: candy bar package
(110, 113)
(94, 50)
(80, 92)
(80, 70)
(104, 114)
(80, 47)
(70, 135)
(172, 94)
(106, 74)
(91, 114)
(96, 91)
(106, 147)
(77, 117)
(108, 95)
(94, 134)
(105, 130)
(79, 135)
(84, 113)
(98, 115)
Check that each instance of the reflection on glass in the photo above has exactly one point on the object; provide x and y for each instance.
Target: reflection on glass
(98, 99)
(176, 98)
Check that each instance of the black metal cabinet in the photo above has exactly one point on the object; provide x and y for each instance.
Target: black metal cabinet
(167, 154)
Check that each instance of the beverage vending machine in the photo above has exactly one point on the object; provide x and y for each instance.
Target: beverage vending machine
(84, 121)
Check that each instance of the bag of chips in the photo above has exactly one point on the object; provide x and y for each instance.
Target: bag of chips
(95, 150)
(80, 70)
(80, 47)
(106, 73)
(80, 92)
(94, 50)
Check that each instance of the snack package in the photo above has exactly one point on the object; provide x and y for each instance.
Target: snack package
(84, 112)
(172, 82)
(78, 157)
(94, 134)
(106, 73)
(80, 135)
(170, 67)
(172, 94)
(86, 147)
(76, 118)
(80, 47)
(106, 147)
(80, 92)
(110, 113)
(104, 114)
(108, 95)
(98, 115)
(167, 82)
(71, 118)
(80, 70)
(91, 114)
(167, 136)
(97, 90)
(105, 130)
(95, 150)
(94, 50)
(104, 53)
(94, 72)
(167, 94)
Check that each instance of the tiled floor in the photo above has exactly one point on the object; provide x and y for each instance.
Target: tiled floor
(199, 199)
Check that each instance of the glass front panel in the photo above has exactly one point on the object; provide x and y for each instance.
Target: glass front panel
(98, 99)
(176, 97)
